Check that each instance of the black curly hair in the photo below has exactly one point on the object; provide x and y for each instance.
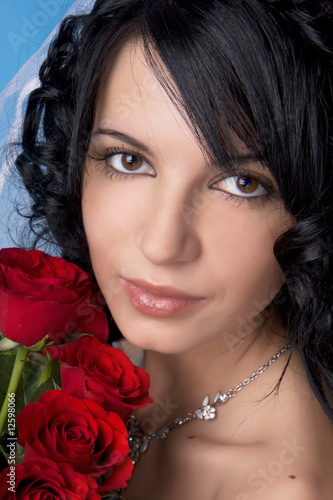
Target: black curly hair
(261, 68)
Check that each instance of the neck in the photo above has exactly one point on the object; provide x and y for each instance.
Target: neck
(179, 382)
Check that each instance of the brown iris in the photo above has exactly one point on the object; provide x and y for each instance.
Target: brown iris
(247, 185)
(131, 162)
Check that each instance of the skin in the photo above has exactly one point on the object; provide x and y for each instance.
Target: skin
(176, 221)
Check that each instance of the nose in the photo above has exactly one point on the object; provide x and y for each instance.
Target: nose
(168, 234)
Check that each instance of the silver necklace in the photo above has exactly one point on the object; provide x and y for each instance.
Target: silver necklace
(139, 441)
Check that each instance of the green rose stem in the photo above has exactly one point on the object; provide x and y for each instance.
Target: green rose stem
(21, 356)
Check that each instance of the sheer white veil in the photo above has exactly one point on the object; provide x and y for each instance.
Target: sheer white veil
(12, 102)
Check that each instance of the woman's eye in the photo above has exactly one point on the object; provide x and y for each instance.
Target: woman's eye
(129, 163)
(241, 185)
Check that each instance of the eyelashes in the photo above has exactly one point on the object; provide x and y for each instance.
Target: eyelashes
(119, 163)
(244, 186)
(247, 187)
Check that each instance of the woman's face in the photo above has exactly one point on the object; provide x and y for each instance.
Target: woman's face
(182, 252)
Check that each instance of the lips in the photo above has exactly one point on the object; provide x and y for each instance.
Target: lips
(158, 301)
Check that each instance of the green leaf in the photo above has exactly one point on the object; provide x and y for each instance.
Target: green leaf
(56, 375)
(7, 363)
(7, 344)
(28, 382)
(33, 394)
(39, 358)
(40, 345)
(30, 377)
(27, 391)
(46, 386)
(19, 450)
(10, 352)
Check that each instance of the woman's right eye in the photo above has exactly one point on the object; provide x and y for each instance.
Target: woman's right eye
(129, 163)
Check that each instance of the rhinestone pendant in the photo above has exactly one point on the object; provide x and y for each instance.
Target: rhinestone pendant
(207, 412)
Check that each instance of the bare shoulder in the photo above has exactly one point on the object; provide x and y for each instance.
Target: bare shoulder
(295, 464)
(297, 467)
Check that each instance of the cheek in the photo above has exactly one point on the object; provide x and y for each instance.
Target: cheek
(109, 208)
(109, 221)
(237, 264)
(97, 221)
(243, 261)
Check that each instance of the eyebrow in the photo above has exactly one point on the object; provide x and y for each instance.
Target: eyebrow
(247, 158)
(234, 163)
(122, 137)
(239, 159)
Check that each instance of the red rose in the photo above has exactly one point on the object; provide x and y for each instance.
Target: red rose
(102, 373)
(77, 432)
(42, 478)
(41, 295)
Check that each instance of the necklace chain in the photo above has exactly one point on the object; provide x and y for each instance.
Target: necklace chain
(139, 441)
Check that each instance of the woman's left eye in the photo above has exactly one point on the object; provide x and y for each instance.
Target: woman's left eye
(129, 163)
(243, 186)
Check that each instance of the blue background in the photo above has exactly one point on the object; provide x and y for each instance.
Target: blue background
(24, 26)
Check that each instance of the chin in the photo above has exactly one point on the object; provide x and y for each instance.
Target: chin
(165, 341)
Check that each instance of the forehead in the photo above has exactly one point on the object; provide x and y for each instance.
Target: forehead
(130, 86)
(132, 101)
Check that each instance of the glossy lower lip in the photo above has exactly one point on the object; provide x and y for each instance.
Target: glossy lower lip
(157, 301)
